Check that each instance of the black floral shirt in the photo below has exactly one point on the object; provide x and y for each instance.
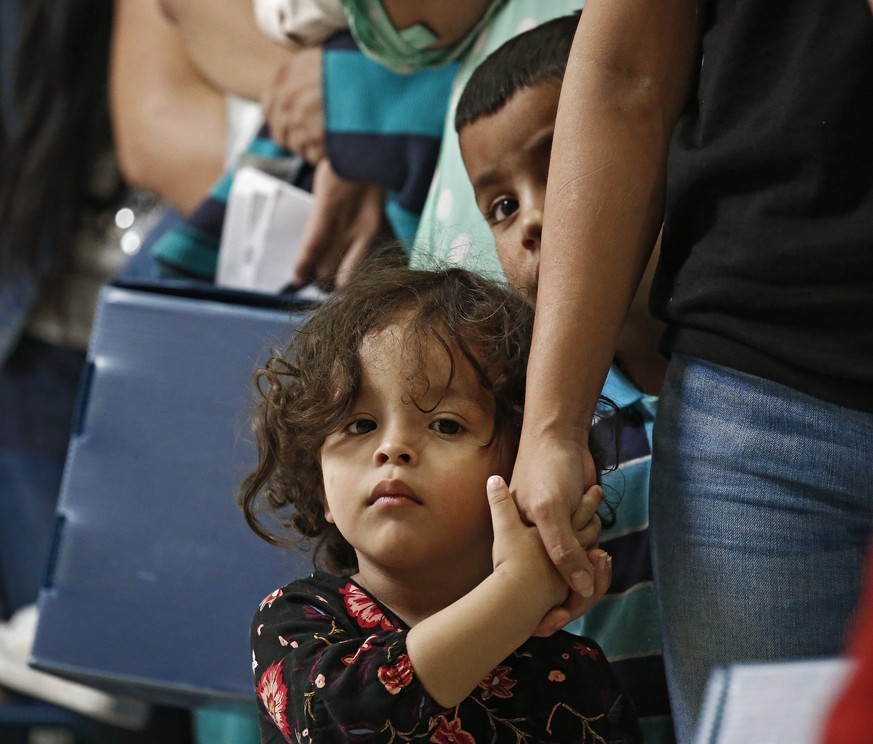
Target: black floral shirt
(330, 665)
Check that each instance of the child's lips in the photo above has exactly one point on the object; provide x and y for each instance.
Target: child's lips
(392, 492)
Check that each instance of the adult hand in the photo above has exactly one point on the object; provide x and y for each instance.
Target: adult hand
(345, 220)
(548, 482)
(587, 529)
(293, 105)
(519, 550)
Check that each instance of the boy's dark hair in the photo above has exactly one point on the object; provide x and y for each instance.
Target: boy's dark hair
(524, 60)
(307, 389)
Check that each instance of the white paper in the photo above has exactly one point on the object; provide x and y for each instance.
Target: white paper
(263, 227)
(777, 703)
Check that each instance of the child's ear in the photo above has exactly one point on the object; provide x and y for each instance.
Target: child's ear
(327, 515)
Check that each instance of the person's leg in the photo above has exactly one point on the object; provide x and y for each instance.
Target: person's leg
(38, 388)
(761, 509)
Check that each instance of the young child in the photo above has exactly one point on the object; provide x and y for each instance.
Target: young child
(505, 119)
(378, 429)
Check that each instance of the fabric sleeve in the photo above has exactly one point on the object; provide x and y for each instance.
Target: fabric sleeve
(306, 22)
(381, 126)
(334, 668)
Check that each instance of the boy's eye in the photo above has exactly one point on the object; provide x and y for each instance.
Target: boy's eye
(361, 426)
(502, 209)
(446, 426)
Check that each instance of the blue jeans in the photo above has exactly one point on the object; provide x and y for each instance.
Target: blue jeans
(761, 510)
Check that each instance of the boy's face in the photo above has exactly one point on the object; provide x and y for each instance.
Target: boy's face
(507, 158)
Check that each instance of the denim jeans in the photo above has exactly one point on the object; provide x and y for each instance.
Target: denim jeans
(761, 511)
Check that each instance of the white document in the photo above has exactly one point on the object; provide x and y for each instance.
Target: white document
(776, 703)
(263, 227)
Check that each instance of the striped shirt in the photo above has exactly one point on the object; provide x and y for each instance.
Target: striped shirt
(625, 622)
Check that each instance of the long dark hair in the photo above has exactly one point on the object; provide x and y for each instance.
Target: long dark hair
(56, 135)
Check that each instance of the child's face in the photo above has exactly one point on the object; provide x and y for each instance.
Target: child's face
(404, 484)
(507, 158)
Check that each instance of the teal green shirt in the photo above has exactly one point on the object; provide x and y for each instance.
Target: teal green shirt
(451, 227)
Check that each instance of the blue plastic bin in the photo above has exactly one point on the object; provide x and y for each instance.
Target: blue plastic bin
(155, 575)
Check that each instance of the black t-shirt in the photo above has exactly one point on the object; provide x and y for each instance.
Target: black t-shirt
(768, 244)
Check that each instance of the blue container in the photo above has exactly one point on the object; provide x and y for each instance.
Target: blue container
(155, 575)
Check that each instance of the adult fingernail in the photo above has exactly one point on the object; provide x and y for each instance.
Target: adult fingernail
(583, 583)
(605, 562)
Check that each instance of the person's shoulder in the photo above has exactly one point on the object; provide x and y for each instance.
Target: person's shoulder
(318, 586)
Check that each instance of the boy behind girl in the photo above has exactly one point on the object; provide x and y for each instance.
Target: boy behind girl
(505, 119)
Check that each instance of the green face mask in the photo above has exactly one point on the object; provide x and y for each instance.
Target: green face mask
(407, 50)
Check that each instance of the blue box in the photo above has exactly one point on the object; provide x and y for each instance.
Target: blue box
(155, 575)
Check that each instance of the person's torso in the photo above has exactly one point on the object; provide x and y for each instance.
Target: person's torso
(767, 262)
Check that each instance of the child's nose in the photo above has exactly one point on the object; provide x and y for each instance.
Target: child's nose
(531, 229)
(395, 450)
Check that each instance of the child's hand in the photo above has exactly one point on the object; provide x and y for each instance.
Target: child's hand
(557, 617)
(500, 613)
(518, 551)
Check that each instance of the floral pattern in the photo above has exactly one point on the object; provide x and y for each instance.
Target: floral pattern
(363, 609)
(336, 670)
(498, 683)
(394, 677)
(450, 732)
(587, 650)
(273, 695)
(270, 598)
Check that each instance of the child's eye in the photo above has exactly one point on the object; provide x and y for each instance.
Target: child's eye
(446, 426)
(501, 209)
(361, 426)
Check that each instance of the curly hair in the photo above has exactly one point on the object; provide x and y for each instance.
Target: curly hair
(307, 389)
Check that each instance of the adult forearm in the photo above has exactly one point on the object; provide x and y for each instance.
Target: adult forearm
(226, 44)
(624, 87)
(169, 123)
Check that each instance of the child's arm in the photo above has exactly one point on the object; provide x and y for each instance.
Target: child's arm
(454, 649)
(326, 658)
